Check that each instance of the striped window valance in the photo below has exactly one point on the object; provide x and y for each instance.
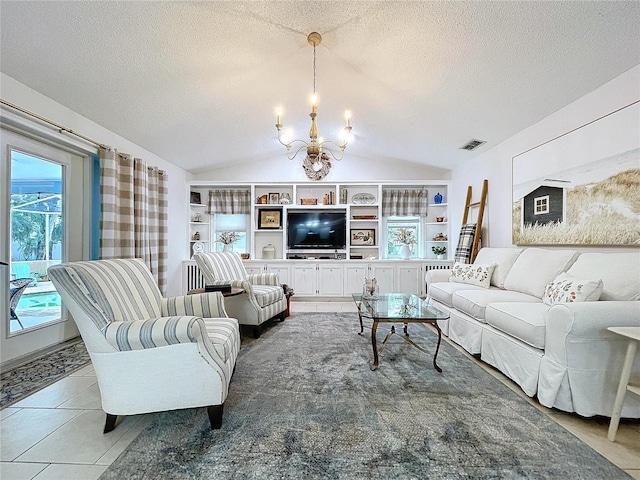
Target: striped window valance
(229, 201)
(404, 203)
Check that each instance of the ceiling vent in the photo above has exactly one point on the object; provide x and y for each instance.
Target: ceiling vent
(472, 144)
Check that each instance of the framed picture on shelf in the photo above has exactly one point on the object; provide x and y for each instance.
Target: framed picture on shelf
(274, 198)
(269, 219)
(363, 236)
(195, 198)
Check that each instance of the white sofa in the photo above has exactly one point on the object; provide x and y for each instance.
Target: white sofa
(559, 351)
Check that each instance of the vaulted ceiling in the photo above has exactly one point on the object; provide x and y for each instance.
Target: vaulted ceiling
(197, 83)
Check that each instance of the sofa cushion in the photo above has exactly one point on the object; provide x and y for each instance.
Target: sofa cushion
(503, 258)
(566, 288)
(474, 274)
(443, 291)
(267, 294)
(618, 271)
(524, 321)
(474, 302)
(536, 267)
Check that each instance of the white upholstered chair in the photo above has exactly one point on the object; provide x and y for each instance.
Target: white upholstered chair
(263, 296)
(149, 353)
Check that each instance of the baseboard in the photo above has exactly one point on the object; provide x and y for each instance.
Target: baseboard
(18, 361)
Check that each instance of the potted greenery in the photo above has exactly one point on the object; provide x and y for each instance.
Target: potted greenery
(439, 251)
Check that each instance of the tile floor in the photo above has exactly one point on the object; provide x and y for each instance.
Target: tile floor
(56, 433)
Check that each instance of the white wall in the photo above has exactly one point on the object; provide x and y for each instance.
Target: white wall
(19, 94)
(495, 164)
(352, 169)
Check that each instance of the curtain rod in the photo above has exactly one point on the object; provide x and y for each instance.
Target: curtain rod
(60, 128)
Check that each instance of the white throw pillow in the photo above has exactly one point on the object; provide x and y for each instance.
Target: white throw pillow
(502, 257)
(566, 288)
(472, 274)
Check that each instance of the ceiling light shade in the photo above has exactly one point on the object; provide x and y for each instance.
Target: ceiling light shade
(317, 163)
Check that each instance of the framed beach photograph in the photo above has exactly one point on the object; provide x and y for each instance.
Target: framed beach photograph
(363, 236)
(274, 198)
(572, 190)
(269, 219)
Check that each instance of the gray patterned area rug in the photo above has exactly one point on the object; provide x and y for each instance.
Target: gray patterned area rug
(20, 382)
(303, 404)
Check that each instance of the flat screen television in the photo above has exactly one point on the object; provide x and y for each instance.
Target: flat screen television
(309, 229)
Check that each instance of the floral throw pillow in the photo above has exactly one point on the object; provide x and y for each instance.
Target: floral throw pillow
(472, 274)
(566, 288)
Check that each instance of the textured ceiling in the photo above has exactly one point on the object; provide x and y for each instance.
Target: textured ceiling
(197, 82)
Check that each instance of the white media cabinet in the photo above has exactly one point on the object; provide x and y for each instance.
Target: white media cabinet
(326, 273)
(330, 278)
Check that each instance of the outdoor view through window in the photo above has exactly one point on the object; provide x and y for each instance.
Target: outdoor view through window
(36, 240)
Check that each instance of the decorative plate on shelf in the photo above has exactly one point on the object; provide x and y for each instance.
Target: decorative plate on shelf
(363, 199)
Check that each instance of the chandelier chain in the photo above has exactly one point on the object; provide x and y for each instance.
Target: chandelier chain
(314, 69)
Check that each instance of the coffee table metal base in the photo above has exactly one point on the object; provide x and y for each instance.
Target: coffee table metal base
(405, 337)
(420, 313)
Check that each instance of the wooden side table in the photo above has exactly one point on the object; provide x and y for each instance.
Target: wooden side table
(633, 334)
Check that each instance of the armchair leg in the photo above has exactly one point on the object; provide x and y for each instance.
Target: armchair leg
(110, 424)
(283, 316)
(215, 416)
(256, 331)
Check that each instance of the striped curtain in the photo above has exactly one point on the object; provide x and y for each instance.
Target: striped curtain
(404, 203)
(230, 201)
(134, 212)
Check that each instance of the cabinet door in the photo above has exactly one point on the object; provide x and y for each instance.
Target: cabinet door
(409, 279)
(330, 280)
(282, 271)
(354, 278)
(384, 274)
(304, 279)
(254, 268)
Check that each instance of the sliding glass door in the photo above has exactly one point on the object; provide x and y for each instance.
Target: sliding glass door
(42, 224)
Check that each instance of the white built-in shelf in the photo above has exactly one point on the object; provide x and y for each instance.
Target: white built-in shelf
(199, 223)
(197, 205)
(438, 204)
(436, 223)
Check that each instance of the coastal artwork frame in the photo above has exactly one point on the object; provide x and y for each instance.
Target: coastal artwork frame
(269, 219)
(363, 237)
(580, 188)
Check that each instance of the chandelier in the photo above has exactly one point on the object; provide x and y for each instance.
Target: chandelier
(317, 163)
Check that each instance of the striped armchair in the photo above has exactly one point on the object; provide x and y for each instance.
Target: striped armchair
(149, 353)
(263, 297)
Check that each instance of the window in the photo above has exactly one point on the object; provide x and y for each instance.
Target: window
(223, 222)
(395, 227)
(541, 205)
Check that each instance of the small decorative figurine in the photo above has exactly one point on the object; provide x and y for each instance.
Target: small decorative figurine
(437, 198)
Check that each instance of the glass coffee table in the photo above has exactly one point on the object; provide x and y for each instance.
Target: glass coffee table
(398, 308)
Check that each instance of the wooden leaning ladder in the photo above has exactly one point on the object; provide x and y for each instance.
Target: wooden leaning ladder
(468, 205)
